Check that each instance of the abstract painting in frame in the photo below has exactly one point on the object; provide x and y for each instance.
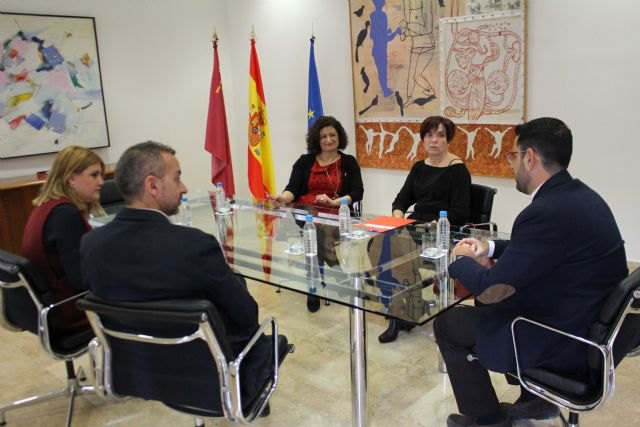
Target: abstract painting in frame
(50, 85)
(417, 58)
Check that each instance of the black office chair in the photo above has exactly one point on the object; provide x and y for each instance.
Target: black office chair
(111, 198)
(190, 369)
(615, 334)
(480, 206)
(26, 303)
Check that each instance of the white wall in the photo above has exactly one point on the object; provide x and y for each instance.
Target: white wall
(580, 65)
(156, 60)
(283, 29)
(156, 64)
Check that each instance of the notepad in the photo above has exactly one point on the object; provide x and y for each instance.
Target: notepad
(383, 223)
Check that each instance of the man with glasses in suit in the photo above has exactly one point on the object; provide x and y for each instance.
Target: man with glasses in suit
(564, 257)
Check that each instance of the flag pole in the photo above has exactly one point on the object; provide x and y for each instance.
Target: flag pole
(314, 99)
(215, 38)
(217, 135)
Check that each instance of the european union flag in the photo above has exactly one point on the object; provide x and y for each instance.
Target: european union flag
(314, 99)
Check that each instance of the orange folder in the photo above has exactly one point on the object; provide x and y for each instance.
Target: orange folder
(384, 223)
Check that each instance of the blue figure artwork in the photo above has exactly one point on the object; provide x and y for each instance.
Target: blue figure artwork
(381, 35)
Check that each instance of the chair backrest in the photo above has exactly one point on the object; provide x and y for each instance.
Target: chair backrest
(613, 335)
(172, 351)
(481, 203)
(24, 292)
(28, 303)
(616, 325)
(110, 195)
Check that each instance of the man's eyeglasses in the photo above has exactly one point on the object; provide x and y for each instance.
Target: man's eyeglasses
(510, 155)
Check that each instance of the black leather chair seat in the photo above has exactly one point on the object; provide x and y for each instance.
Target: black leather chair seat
(71, 341)
(578, 387)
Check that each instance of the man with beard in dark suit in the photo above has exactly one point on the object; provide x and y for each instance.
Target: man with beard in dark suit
(142, 256)
(564, 258)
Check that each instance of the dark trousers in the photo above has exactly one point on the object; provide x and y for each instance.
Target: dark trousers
(455, 332)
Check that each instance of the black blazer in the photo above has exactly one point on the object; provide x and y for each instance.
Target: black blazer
(351, 177)
(564, 257)
(141, 256)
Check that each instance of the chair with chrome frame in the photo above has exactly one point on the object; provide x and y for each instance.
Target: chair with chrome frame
(26, 303)
(480, 208)
(614, 335)
(111, 198)
(188, 364)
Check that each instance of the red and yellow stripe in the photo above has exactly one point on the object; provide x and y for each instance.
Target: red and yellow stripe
(261, 176)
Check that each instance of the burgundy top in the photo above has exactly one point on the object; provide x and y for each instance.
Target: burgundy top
(323, 180)
(50, 251)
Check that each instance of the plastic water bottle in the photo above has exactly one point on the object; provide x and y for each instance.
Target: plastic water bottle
(344, 218)
(309, 237)
(443, 233)
(184, 212)
(313, 273)
(221, 199)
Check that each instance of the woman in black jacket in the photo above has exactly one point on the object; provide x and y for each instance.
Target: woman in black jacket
(325, 175)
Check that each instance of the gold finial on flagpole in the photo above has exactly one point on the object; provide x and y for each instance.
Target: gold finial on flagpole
(214, 39)
(253, 33)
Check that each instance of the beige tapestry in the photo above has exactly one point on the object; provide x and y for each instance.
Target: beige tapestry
(417, 58)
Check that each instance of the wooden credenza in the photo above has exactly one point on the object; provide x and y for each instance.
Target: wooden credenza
(16, 197)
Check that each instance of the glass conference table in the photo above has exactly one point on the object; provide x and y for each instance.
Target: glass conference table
(379, 273)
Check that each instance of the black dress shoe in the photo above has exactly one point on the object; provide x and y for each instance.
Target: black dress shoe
(457, 420)
(313, 303)
(395, 326)
(391, 333)
(405, 326)
(534, 409)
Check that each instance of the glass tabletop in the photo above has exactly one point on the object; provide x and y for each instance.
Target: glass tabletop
(381, 273)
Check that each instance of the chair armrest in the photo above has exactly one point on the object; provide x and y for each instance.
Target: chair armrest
(600, 347)
(532, 387)
(67, 300)
(44, 312)
(247, 348)
(268, 388)
(43, 322)
(96, 359)
(492, 226)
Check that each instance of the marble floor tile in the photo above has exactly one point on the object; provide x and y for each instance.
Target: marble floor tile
(405, 385)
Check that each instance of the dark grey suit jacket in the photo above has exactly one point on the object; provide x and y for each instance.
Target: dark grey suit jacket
(564, 257)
